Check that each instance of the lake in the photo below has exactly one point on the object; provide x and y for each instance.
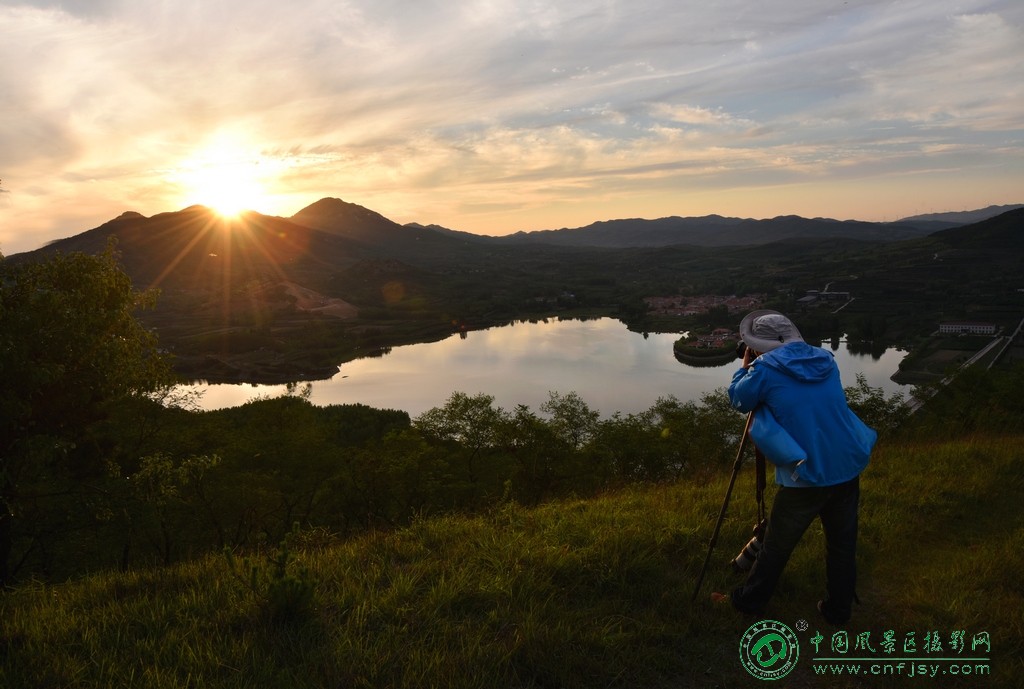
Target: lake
(611, 368)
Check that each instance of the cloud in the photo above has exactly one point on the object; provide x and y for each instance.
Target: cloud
(497, 104)
(959, 79)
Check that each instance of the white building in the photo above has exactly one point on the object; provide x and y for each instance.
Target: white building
(967, 327)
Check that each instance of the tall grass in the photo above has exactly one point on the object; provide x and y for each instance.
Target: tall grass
(576, 593)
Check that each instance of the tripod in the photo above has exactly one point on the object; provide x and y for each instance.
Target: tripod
(725, 503)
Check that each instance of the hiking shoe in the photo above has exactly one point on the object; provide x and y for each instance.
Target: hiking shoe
(831, 619)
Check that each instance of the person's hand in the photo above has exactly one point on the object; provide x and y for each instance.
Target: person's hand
(748, 356)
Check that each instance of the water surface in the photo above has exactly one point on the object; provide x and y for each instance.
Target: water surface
(611, 368)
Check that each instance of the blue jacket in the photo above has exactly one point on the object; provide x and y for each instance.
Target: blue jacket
(801, 386)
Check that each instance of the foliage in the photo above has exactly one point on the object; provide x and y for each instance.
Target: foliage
(573, 593)
(975, 400)
(571, 419)
(469, 425)
(70, 349)
(285, 597)
(194, 482)
(156, 499)
(186, 483)
(884, 414)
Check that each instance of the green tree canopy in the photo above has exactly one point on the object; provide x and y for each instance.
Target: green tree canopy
(69, 347)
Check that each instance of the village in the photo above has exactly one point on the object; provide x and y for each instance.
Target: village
(708, 347)
(718, 338)
(696, 305)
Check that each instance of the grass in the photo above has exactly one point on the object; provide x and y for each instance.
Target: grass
(578, 593)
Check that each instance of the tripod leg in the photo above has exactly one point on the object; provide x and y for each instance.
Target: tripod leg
(725, 504)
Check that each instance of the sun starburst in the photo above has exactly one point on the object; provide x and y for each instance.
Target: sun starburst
(226, 176)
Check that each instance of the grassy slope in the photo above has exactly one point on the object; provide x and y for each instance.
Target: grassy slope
(588, 593)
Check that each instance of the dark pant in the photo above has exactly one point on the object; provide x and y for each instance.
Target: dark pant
(792, 512)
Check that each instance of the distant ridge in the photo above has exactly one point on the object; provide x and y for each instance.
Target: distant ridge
(964, 217)
(1001, 232)
(719, 231)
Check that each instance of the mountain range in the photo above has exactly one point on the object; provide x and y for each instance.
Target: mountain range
(239, 296)
(964, 217)
(332, 229)
(719, 231)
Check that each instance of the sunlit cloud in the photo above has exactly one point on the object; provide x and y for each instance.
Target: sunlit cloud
(688, 114)
(499, 115)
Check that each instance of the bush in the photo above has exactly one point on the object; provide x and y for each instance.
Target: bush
(284, 592)
(884, 414)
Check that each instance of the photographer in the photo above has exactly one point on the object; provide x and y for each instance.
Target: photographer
(800, 385)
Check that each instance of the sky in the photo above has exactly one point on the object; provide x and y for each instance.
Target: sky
(494, 116)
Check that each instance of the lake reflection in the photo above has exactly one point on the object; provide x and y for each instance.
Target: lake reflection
(611, 368)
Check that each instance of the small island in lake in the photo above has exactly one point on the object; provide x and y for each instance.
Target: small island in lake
(713, 349)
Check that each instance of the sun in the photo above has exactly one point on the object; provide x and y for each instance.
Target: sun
(224, 177)
(224, 189)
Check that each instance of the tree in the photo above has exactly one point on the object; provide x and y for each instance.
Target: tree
(70, 347)
(542, 459)
(884, 414)
(471, 423)
(572, 419)
(698, 437)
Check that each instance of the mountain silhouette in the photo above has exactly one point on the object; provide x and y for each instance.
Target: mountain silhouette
(1004, 231)
(376, 235)
(332, 231)
(197, 249)
(719, 231)
(964, 217)
(238, 295)
(333, 242)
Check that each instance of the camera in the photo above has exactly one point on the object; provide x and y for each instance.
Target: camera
(745, 560)
(741, 349)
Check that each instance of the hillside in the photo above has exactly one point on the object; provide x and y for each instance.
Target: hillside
(963, 217)
(368, 227)
(996, 234)
(268, 299)
(196, 249)
(972, 272)
(240, 300)
(579, 593)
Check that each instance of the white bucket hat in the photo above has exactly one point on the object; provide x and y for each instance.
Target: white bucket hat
(765, 330)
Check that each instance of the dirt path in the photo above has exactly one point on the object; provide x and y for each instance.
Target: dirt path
(314, 302)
